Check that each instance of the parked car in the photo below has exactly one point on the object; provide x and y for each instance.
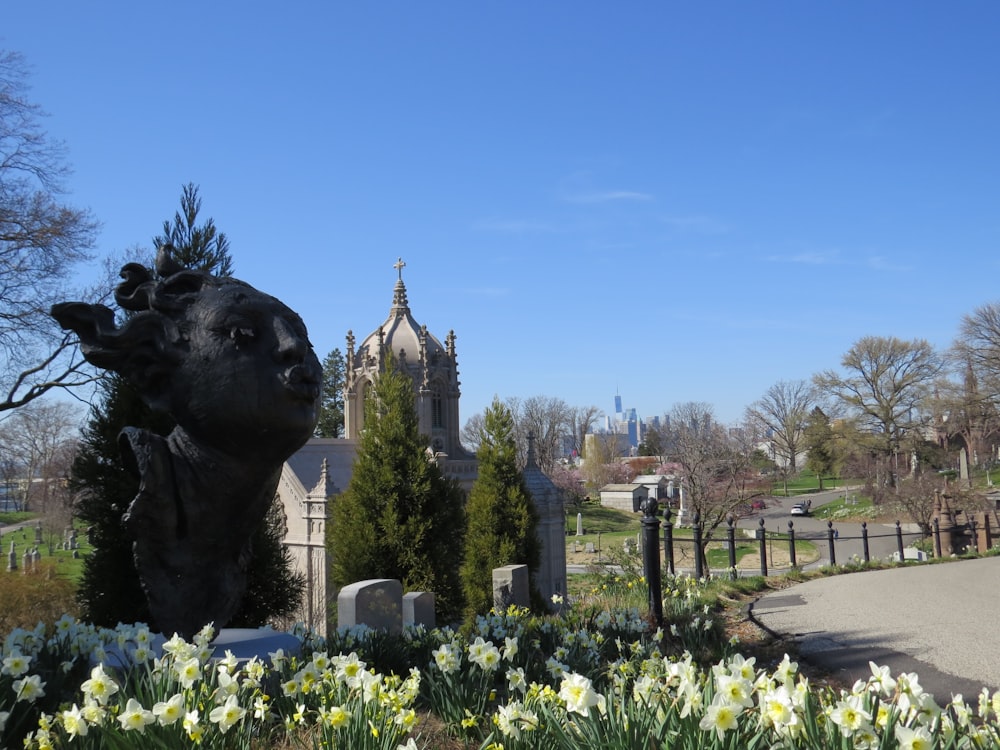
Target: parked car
(800, 510)
(758, 505)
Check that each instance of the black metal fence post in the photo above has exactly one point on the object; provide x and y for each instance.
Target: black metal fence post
(668, 541)
(651, 557)
(699, 568)
(762, 536)
(899, 541)
(864, 540)
(829, 539)
(731, 541)
(791, 544)
(937, 538)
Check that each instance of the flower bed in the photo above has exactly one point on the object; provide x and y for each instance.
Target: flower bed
(590, 677)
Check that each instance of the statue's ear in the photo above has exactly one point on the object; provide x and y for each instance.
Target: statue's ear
(144, 351)
(92, 323)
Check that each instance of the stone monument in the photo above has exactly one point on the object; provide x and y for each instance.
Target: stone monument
(235, 369)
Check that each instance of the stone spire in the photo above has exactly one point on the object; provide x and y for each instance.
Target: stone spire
(400, 306)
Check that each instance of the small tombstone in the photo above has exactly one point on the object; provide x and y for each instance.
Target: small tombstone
(12, 559)
(576, 546)
(511, 587)
(589, 547)
(963, 465)
(38, 533)
(910, 553)
(579, 524)
(76, 554)
(377, 603)
(418, 609)
(628, 545)
(26, 562)
(36, 556)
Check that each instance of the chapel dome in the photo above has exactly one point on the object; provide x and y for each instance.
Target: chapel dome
(401, 334)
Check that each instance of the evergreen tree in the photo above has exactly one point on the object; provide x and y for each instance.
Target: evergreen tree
(201, 247)
(503, 520)
(331, 415)
(400, 517)
(110, 591)
(818, 442)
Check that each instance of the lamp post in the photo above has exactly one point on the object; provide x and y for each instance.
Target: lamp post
(651, 556)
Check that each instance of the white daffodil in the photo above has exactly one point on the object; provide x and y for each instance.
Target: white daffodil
(170, 711)
(192, 726)
(447, 658)
(227, 714)
(577, 692)
(881, 680)
(335, 717)
(188, 672)
(135, 718)
(910, 738)
(73, 722)
(850, 715)
(16, 664)
(720, 717)
(29, 689)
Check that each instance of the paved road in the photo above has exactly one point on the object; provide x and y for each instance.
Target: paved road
(940, 621)
(882, 541)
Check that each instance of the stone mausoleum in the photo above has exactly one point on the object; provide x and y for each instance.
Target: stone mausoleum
(322, 468)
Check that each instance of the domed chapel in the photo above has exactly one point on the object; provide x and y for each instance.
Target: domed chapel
(322, 468)
(432, 367)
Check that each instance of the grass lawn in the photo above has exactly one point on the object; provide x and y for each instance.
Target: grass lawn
(806, 482)
(65, 564)
(11, 517)
(845, 508)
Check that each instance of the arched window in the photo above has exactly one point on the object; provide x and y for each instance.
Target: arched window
(437, 410)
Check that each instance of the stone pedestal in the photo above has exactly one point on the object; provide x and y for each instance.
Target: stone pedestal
(244, 643)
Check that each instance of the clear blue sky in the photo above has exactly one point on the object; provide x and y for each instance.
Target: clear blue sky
(676, 201)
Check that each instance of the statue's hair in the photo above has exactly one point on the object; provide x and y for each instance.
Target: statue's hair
(150, 342)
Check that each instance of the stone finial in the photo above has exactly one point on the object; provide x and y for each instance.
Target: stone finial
(324, 479)
(529, 462)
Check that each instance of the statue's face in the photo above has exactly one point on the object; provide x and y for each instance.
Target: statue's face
(250, 379)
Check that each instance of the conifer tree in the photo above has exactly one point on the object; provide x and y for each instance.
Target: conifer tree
(503, 521)
(331, 414)
(400, 517)
(110, 591)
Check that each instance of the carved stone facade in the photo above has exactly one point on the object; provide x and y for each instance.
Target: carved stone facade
(316, 473)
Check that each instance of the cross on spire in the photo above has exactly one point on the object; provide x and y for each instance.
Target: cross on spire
(399, 265)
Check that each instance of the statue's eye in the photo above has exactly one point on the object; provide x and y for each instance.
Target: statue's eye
(242, 334)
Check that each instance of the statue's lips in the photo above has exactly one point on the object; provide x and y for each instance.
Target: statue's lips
(302, 382)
